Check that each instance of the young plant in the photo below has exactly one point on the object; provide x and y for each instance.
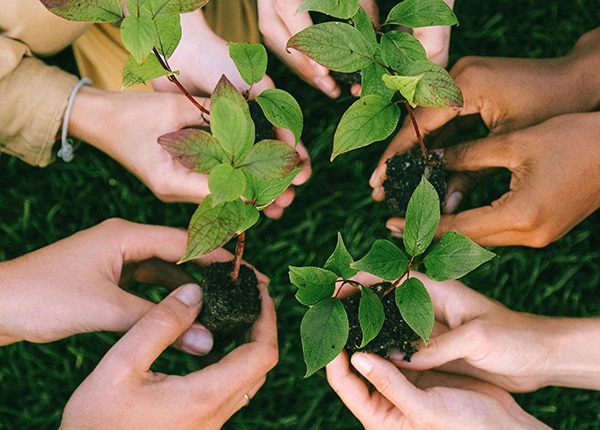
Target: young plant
(244, 176)
(325, 328)
(394, 70)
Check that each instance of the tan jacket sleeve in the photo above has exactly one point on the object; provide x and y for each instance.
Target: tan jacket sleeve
(33, 97)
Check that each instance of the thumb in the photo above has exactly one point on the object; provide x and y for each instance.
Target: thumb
(158, 329)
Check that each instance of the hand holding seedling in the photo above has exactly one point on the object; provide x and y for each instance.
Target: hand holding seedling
(428, 401)
(478, 337)
(123, 393)
(75, 285)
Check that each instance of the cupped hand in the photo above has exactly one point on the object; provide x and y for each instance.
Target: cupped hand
(509, 94)
(553, 168)
(479, 337)
(433, 400)
(74, 285)
(123, 393)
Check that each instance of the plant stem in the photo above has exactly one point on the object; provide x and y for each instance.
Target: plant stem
(416, 127)
(397, 281)
(237, 259)
(178, 84)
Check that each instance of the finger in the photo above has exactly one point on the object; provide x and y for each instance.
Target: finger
(197, 340)
(156, 272)
(286, 198)
(488, 152)
(392, 384)
(460, 185)
(247, 364)
(349, 387)
(159, 328)
(273, 211)
(305, 164)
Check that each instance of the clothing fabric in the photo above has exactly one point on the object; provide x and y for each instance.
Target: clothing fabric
(34, 95)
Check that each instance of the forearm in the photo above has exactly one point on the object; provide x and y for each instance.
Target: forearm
(574, 355)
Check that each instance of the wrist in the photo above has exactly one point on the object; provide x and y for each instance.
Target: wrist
(584, 62)
(574, 358)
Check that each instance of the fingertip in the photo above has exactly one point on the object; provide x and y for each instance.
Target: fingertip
(452, 202)
(189, 294)
(197, 340)
(362, 362)
(327, 85)
(396, 226)
(378, 194)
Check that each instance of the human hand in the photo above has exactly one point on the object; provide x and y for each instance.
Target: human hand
(551, 189)
(433, 400)
(73, 286)
(479, 337)
(508, 93)
(123, 393)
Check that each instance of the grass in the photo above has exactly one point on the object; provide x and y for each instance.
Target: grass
(41, 206)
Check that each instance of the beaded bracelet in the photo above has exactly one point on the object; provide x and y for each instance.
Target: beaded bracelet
(66, 148)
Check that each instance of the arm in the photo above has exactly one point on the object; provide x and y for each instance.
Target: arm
(479, 337)
(122, 393)
(74, 285)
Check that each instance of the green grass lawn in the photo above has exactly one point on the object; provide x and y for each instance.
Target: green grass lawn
(41, 206)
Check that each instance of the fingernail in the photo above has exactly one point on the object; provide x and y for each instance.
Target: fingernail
(327, 85)
(396, 232)
(189, 294)
(453, 201)
(197, 340)
(362, 363)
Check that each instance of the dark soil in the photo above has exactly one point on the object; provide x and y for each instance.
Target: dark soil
(228, 308)
(263, 128)
(395, 333)
(404, 172)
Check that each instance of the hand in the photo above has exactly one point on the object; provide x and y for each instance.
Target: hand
(123, 393)
(435, 40)
(478, 337)
(552, 187)
(278, 23)
(432, 401)
(509, 94)
(73, 286)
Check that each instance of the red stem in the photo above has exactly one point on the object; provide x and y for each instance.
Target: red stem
(174, 79)
(237, 259)
(416, 127)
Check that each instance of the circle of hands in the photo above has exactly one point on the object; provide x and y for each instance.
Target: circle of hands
(480, 350)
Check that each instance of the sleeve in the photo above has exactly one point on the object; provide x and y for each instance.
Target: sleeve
(33, 99)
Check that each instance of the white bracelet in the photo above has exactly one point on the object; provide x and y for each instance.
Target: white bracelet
(66, 148)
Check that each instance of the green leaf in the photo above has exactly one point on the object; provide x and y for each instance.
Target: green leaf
(86, 10)
(436, 88)
(134, 73)
(339, 261)
(174, 7)
(416, 307)
(263, 192)
(422, 218)
(370, 315)
(324, 332)
(211, 227)
(252, 216)
(138, 36)
(406, 85)
(193, 148)
(372, 82)
(455, 256)
(384, 260)
(167, 34)
(230, 121)
(343, 9)
(368, 119)
(362, 22)
(314, 284)
(271, 159)
(226, 183)
(398, 49)
(421, 13)
(282, 110)
(335, 45)
(250, 60)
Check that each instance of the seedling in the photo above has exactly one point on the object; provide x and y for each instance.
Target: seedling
(244, 176)
(394, 71)
(325, 328)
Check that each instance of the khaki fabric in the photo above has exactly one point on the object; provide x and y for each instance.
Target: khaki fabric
(100, 54)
